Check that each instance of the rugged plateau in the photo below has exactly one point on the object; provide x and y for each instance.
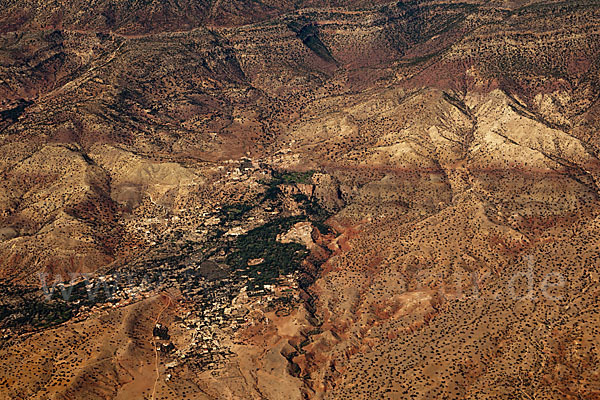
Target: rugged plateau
(283, 200)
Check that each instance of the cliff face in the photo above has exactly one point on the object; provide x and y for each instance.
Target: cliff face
(453, 145)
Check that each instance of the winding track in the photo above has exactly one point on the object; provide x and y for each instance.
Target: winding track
(154, 345)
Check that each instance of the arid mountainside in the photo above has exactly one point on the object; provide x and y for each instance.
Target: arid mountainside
(138, 17)
(334, 200)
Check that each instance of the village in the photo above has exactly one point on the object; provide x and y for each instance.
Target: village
(225, 269)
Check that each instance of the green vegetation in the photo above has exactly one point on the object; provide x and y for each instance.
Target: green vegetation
(234, 212)
(27, 308)
(289, 177)
(285, 178)
(37, 313)
(313, 209)
(272, 192)
(261, 243)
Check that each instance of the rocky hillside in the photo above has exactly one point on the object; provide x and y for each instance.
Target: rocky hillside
(398, 200)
